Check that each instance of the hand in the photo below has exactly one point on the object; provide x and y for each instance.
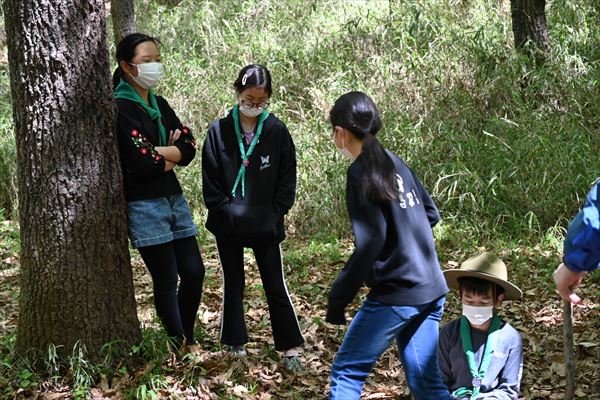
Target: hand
(566, 282)
(335, 316)
(173, 136)
(169, 165)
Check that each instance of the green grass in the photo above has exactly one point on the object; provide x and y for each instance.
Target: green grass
(505, 146)
(8, 156)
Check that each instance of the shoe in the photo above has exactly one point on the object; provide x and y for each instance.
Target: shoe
(236, 350)
(292, 364)
(191, 347)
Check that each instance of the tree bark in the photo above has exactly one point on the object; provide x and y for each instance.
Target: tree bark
(76, 279)
(529, 25)
(123, 18)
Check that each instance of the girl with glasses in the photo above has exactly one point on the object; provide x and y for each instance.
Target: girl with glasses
(249, 184)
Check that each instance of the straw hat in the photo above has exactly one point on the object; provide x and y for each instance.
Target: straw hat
(484, 266)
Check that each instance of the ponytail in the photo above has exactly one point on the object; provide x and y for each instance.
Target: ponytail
(379, 181)
(357, 112)
(117, 76)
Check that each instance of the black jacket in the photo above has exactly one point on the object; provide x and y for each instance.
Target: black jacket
(144, 175)
(257, 218)
(394, 248)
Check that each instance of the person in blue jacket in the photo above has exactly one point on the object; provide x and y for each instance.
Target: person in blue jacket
(581, 248)
(392, 217)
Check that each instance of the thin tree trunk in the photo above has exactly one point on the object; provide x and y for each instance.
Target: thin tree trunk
(568, 350)
(529, 25)
(76, 278)
(123, 18)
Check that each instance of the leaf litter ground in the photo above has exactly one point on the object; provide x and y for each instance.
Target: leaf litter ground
(211, 374)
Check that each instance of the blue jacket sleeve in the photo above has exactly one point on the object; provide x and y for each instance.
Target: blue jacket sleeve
(582, 243)
(369, 227)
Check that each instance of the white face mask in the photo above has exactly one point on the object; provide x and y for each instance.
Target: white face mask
(478, 315)
(148, 74)
(343, 151)
(250, 112)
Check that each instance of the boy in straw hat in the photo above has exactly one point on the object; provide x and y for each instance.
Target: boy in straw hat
(481, 356)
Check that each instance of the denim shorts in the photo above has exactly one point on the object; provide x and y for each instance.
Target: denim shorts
(161, 220)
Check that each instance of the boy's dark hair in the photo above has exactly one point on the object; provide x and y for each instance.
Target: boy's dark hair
(253, 75)
(126, 51)
(479, 286)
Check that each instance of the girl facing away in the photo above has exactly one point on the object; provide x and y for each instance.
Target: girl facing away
(392, 217)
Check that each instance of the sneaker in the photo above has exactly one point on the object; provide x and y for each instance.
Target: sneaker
(292, 364)
(236, 350)
(191, 347)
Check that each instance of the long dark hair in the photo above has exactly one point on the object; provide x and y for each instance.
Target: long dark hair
(253, 75)
(357, 112)
(126, 52)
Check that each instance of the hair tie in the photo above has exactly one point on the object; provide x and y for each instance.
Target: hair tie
(246, 75)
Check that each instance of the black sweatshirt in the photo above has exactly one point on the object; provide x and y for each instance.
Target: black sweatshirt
(257, 218)
(144, 175)
(394, 248)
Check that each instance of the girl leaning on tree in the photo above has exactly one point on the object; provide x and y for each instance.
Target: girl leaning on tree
(152, 143)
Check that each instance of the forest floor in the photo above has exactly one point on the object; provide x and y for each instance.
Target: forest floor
(310, 268)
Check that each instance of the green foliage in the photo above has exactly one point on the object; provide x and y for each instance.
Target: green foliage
(504, 145)
(77, 371)
(8, 154)
(9, 242)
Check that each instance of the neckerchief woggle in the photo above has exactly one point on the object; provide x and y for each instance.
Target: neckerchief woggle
(476, 373)
(241, 176)
(125, 91)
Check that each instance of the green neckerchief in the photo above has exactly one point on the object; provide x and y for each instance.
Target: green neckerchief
(477, 374)
(241, 176)
(125, 91)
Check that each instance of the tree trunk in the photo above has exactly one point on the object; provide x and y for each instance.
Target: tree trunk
(529, 25)
(76, 278)
(123, 18)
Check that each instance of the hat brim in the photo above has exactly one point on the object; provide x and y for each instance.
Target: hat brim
(511, 292)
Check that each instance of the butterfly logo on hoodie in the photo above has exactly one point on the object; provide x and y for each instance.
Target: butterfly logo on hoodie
(264, 162)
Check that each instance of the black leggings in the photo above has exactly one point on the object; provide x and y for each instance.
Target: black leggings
(175, 307)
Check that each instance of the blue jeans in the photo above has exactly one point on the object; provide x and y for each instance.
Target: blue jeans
(416, 330)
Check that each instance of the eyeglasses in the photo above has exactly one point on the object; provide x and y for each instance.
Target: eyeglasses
(248, 104)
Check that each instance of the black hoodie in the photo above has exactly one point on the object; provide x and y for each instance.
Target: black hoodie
(257, 218)
(144, 175)
(394, 248)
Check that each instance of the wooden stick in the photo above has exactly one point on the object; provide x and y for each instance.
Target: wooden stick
(568, 350)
